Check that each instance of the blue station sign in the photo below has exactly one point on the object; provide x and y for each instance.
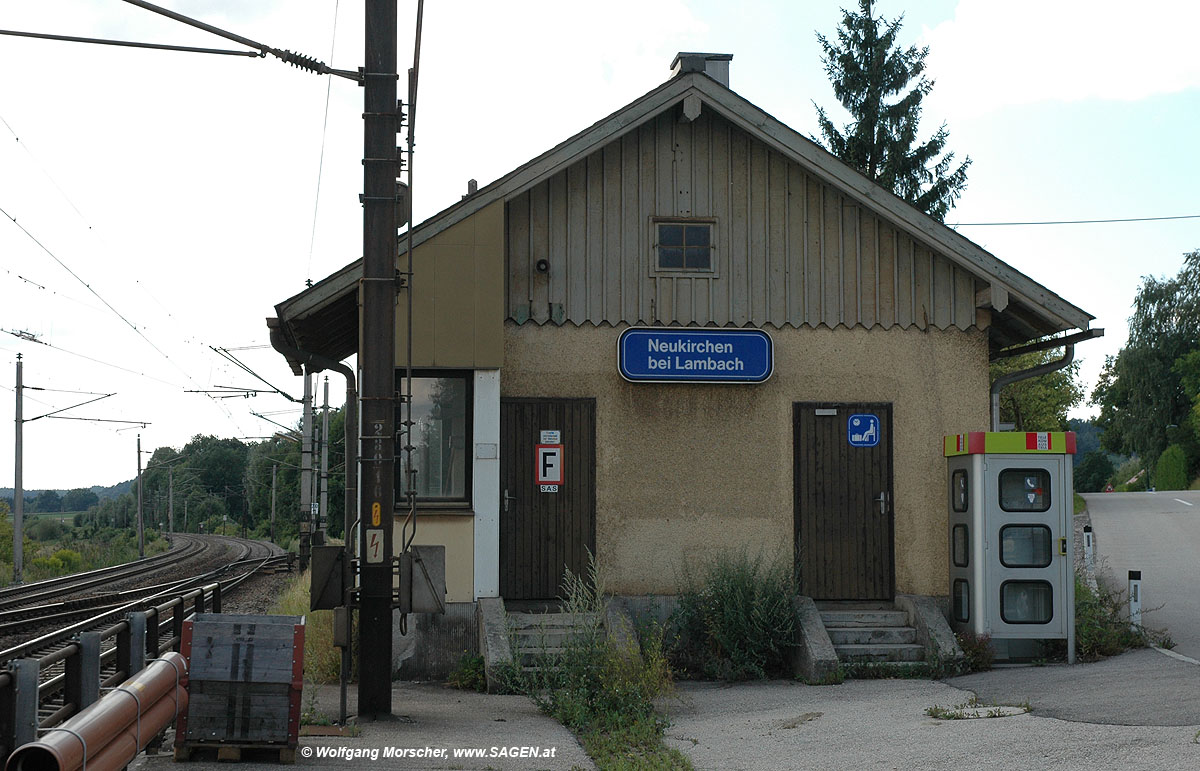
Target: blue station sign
(690, 355)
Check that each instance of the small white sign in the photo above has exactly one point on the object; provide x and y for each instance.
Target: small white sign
(374, 547)
(551, 437)
(549, 488)
(548, 462)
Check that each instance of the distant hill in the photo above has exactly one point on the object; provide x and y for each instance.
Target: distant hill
(101, 492)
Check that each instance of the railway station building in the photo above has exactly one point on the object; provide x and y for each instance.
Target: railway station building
(649, 343)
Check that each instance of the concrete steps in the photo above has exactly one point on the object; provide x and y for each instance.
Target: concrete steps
(537, 638)
(871, 635)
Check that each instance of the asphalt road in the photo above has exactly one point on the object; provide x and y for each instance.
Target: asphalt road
(1158, 534)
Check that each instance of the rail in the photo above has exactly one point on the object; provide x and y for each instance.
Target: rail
(55, 676)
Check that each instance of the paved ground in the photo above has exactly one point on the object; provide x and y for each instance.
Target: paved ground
(1137, 711)
(882, 724)
(1158, 534)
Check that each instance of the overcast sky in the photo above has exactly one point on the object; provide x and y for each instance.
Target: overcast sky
(174, 197)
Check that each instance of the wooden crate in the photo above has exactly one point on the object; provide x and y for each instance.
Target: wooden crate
(245, 675)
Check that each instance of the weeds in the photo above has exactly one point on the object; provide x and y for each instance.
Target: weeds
(468, 674)
(735, 620)
(322, 661)
(1102, 625)
(977, 649)
(973, 708)
(603, 688)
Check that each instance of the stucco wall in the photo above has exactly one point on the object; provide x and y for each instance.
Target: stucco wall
(456, 533)
(685, 471)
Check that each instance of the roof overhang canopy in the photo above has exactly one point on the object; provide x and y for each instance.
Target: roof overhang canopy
(323, 319)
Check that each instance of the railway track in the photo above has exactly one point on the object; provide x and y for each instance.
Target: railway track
(117, 627)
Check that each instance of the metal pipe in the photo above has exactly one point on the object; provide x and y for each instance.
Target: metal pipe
(1042, 369)
(107, 735)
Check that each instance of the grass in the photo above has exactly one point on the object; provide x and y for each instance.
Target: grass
(735, 619)
(322, 661)
(1102, 625)
(1080, 504)
(603, 688)
(468, 674)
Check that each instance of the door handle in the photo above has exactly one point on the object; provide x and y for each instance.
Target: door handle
(507, 498)
(882, 500)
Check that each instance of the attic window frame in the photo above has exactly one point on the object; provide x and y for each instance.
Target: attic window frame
(656, 268)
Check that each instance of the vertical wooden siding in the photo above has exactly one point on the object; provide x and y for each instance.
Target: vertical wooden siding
(790, 250)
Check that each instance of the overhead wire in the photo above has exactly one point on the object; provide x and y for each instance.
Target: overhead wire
(224, 410)
(312, 239)
(1079, 222)
(47, 174)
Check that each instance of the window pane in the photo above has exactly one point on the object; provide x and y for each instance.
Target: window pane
(958, 490)
(698, 258)
(1025, 489)
(1026, 602)
(961, 547)
(697, 235)
(670, 258)
(439, 413)
(1025, 546)
(962, 600)
(670, 235)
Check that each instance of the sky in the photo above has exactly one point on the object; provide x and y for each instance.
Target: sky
(164, 202)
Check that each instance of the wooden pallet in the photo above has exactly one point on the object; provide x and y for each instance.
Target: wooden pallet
(234, 753)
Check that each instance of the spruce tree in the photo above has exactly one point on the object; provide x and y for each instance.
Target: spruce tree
(882, 86)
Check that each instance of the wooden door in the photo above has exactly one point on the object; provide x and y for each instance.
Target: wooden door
(842, 480)
(544, 533)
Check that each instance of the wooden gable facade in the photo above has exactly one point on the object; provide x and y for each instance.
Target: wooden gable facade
(791, 250)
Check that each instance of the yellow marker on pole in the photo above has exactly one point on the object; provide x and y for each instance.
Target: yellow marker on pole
(375, 513)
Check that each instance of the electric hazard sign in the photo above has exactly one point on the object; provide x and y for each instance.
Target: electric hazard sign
(548, 467)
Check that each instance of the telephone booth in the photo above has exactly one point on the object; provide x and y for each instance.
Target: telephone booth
(1012, 538)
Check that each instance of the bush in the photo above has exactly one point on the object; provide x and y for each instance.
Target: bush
(598, 683)
(468, 674)
(1130, 476)
(977, 648)
(604, 689)
(736, 620)
(45, 529)
(1171, 471)
(1102, 625)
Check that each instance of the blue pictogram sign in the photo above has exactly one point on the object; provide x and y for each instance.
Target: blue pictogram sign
(863, 430)
(678, 355)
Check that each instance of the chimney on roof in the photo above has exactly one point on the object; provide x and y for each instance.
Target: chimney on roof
(716, 66)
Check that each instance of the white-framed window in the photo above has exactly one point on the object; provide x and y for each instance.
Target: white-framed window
(441, 438)
(683, 246)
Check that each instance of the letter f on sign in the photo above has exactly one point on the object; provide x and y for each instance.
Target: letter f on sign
(549, 464)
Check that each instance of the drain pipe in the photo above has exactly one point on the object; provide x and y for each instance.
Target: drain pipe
(1013, 377)
(350, 513)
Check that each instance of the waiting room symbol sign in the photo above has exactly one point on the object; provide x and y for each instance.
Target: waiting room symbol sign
(863, 430)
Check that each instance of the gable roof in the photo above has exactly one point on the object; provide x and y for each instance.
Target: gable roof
(314, 320)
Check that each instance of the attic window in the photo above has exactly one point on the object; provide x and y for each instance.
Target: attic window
(683, 245)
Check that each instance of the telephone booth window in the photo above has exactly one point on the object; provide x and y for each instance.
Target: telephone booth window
(962, 548)
(1026, 602)
(1025, 546)
(962, 600)
(958, 490)
(1024, 489)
